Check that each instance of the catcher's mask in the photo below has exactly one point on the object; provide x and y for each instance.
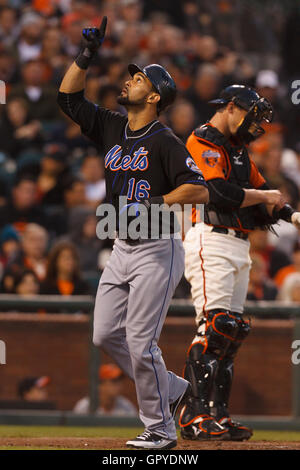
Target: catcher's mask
(259, 110)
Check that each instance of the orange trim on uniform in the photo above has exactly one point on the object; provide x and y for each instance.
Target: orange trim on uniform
(256, 179)
(209, 418)
(199, 342)
(230, 423)
(204, 417)
(212, 323)
(244, 230)
(203, 276)
(192, 420)
(229, 167)
(240, 225)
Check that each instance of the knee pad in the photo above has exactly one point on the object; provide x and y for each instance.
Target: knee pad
(244, 326)
(243, 331)
(221, 329)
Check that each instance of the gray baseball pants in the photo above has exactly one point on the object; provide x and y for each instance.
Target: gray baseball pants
(132, 301)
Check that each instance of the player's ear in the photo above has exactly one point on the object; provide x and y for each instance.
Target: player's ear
(230, 107)
(153, 98)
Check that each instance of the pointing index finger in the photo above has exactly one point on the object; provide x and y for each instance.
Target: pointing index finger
(102, 27)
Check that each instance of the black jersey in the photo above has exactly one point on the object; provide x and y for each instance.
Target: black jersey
(138, 164)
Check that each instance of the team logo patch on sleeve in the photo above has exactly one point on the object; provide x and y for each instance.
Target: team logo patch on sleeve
(192, 165)
(211, 157)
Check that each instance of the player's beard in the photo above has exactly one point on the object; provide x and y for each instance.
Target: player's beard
(128, 103)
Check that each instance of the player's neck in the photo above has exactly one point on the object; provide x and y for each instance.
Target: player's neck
(220, 123)
(140, 119)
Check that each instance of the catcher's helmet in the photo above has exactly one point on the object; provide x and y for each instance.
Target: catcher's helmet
(245, 97)
(259, 109)
(242, 95)
(161, 80)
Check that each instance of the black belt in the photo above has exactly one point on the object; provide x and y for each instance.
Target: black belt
(238, 233)
(130, 241)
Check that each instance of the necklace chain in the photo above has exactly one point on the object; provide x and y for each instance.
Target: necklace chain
(137, 136)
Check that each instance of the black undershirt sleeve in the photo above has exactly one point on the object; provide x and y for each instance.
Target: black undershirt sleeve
(78, 108)
(94, 120)
(225, 195)
(264, 187)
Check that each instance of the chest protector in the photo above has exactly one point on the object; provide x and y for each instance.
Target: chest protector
(237, 172)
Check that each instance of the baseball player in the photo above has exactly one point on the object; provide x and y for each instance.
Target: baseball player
(217, 256)
(146, 163)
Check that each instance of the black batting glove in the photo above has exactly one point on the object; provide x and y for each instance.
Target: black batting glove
(92, 41)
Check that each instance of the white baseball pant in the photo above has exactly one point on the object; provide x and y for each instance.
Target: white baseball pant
(217, 266)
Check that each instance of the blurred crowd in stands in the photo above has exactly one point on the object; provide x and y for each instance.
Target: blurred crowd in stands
(52, 178)
(34, 393)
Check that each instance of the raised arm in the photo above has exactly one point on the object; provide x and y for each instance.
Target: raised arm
(74, 79)
(91, 117)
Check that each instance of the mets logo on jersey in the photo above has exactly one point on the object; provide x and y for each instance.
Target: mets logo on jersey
(192, 165)
(116, 161)
(211, 157)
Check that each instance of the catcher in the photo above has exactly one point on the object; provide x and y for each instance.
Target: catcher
(217, 258)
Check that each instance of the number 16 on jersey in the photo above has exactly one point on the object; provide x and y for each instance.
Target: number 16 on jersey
(138, 189)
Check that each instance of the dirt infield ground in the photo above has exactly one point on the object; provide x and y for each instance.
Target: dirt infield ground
(120, 444)
(114, 438)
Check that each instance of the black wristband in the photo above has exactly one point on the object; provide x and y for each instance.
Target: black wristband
(84, 59)
(285, 213)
